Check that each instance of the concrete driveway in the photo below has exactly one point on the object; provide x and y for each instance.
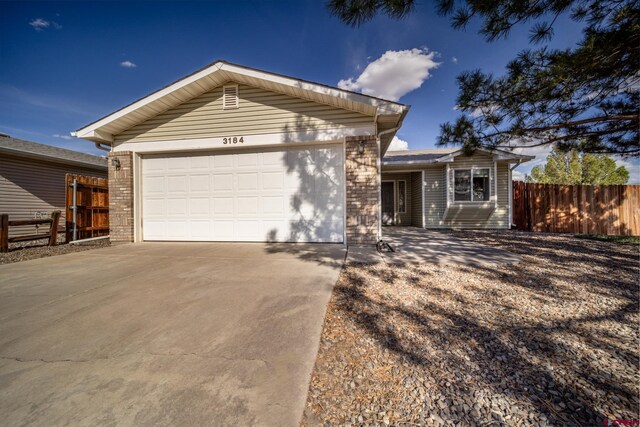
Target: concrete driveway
(414, 245)
(163, 334)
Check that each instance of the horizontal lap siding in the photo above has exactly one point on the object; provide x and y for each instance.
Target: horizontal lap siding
(260, 112)
(435, 201)
(29, 186)
(416, 199)
(436, 196)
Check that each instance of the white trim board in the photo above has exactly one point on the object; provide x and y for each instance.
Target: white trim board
(335, 136)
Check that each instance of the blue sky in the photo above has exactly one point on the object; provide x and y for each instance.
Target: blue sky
(64, 63)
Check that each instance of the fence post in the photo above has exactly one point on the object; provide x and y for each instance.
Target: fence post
(53, 231)
(4, 233)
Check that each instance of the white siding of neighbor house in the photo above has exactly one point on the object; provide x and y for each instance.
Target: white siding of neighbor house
(30, 186)
(436, 195)
(259, 112)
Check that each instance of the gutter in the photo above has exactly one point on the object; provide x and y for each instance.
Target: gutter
(97, 144)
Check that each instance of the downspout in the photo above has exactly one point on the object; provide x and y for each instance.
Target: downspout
(100, 147)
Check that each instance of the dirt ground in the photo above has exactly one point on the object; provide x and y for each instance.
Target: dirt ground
(39, 249)
(551, 341)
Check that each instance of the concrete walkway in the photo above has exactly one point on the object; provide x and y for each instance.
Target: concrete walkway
(163, 334)
(416, 245)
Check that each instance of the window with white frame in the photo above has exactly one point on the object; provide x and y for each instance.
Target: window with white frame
(402, 197)
(471, 185)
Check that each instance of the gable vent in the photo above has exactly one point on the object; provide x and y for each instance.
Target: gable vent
(229, 97)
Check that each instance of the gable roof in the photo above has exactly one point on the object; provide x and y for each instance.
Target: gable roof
(22, 148)
(388, 113)
(442, 155)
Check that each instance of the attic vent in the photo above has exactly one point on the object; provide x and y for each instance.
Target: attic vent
(229, 97)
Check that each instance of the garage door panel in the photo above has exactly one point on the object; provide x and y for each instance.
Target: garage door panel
(287, 195)
(199, 206)
(177, 184)
(199, 162)
(200, 230)
(199, 183)
(273, 180)
(154, 207)
(223, 182)
(223, 230)
(176, 229)
(177, 163)
(247, 206)
(223, 206)
(176, 206)
(247, 181)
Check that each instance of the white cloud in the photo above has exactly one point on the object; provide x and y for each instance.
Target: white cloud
(517, 175)
(454, 60)
(57, 135)
(398, 144)
(40, 24)
(394, 74)
(128, 64)
(56, 25)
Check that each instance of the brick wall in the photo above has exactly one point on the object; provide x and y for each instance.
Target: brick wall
(121, 197)
(363, 196)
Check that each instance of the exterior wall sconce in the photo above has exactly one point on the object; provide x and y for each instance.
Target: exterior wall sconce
(361, 148)
(115, 162)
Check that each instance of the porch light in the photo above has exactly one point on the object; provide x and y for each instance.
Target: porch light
(115, 162)
(361, 148)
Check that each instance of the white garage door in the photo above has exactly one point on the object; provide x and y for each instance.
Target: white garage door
(293, 195)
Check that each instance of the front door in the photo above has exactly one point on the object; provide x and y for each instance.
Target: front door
(388, 207)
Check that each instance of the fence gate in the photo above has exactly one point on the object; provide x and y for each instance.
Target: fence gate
(87, 207)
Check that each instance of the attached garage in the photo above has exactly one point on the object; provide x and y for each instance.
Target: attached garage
(291, 195)
(231, 153)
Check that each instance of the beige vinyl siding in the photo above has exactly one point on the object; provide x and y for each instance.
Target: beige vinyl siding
(401, 218)
(416, 199)
(29, 186)
(436, 195)
(259, 112)
(435, 201)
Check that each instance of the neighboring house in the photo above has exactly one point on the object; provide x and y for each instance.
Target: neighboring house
(231, 153)
(32, 179)
(443, 188)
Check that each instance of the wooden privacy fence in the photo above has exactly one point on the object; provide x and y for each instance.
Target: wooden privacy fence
(91, 206)
(5, 223)
(578, 209)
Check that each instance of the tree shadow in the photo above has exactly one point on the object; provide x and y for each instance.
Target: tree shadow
(574, 364)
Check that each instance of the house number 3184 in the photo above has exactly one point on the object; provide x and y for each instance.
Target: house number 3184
(233, 140)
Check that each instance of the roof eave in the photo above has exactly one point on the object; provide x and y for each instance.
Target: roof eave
(95, 131)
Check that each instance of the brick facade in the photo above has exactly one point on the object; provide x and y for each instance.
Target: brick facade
(121, 197)
(362, 187)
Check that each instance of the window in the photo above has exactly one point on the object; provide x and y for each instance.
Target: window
(402, 196)
(471, 185)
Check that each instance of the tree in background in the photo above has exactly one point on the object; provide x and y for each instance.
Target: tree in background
(570, 167)
(585, 97)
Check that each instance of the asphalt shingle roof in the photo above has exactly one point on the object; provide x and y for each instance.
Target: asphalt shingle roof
(17, 146)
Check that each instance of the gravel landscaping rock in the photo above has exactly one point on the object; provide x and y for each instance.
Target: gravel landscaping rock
(39, 249)
(551, 341)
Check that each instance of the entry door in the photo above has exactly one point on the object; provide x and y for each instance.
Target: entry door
(285, 195)
(388, 207)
